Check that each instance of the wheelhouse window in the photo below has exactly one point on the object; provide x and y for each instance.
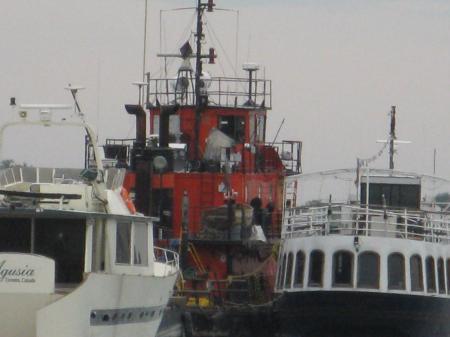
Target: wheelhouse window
(396, 271)
(288, 278)
(441, 275)
(140, 249)
(132, 243)
(416, 273)
(316, 259)
(431, 277)
(395, 195)
(369, 270)
(233, 126)
(123, 243)
(260, 128)
(343, 269)
(299, 269)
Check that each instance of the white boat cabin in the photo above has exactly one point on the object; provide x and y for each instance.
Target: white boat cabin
(390, 242)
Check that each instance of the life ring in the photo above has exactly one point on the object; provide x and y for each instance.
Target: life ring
(126, 198)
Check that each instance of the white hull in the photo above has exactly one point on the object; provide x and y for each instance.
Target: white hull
(100, 306)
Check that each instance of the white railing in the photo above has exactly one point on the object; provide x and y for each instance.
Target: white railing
(38, 175)
(166, 257)
(429, 226)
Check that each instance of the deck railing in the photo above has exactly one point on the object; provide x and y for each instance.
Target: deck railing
(221, 92)
(429, 226)
(40, 175)
(166, 257)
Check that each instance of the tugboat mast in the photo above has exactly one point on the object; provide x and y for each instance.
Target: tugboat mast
(201, 100)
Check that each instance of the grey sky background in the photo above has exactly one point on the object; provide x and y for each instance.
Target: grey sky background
(336, 66)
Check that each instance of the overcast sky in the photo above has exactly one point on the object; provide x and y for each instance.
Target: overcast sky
(337, 67)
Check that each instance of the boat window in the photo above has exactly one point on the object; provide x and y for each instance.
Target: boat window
(441, 275)
(369, 270)
(233, 126)
(416, 273)
(15, 235)
(251, 128)
(123, 242)
(396, 271)
(448, 275)
(140, 249)
(299, 269)
(288, 278)
(260, 128)
(395, 195)
(155, 124)
(316, 268)
(431, 277)
(63, 240)
(343, 269)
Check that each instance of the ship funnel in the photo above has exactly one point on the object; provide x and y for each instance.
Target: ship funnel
(141, 129)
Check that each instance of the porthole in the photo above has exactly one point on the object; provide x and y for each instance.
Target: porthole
(105, 318)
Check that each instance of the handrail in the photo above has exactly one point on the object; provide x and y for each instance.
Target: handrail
(429, 226)
(166, 256)
(44, 175)
(222, 92)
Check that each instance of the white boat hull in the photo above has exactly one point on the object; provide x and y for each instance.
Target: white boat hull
(104, 305)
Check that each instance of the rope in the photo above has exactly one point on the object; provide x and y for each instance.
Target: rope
(367, 161)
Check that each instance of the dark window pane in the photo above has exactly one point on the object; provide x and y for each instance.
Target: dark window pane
(396, 271)
(315, 269)
(288, 278)
(396, 195)
(342, 269)
(368, 270)
(431, 277)
(441, 275)
(416, 273)
(15, 235)
(63, 240)
(299, 269)
(233, 126)
(123, 243)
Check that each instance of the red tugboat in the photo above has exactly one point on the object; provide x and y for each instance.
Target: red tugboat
(208, 173)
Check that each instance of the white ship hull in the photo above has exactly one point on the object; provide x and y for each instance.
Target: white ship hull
(103, 305)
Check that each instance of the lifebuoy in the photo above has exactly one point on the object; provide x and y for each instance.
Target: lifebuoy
(126, 198)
